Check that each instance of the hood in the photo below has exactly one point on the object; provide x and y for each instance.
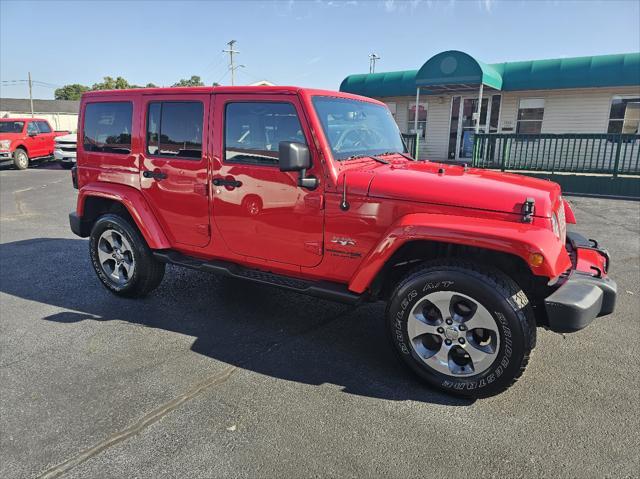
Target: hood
(453, 185)
(71, 138)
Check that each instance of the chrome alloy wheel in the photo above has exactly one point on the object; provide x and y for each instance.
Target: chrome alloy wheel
(115, 255)
(453, 333)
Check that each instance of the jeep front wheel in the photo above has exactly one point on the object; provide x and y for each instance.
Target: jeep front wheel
(462, 328)
(20, 159)
(121, 258)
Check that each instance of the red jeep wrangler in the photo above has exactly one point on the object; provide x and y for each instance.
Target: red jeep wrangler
(26, 139)
(313, 191)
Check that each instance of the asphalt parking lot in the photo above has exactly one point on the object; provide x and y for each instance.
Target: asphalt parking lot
(212, 377)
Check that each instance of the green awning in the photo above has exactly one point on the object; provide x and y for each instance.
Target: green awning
(381, 84)
(458, 71)
(455, 70)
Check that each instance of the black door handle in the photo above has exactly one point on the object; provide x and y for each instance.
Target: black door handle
(227, 182)
(156, 175)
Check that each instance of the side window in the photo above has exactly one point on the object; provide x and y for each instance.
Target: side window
(32, 129)
(107, 127)
(253, 131)
(174, 129)
(43, 126)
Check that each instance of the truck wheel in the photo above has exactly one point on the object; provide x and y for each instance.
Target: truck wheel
(461, 327)
(20, 159)
(121, 258)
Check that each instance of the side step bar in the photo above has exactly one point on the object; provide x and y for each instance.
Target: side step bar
(318, 289)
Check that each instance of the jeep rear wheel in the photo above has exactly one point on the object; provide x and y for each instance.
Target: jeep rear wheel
(121, 258)
(463, 328)
(20, 159)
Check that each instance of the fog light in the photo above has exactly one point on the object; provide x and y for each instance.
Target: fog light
(536, 259)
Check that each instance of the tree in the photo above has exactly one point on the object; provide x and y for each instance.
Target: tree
(151, 85)
(193, 81)
(70, 92)
(110, 83)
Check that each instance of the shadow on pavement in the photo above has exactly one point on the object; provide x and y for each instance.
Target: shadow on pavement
(270, 331)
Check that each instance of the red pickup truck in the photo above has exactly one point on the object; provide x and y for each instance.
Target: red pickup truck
(314, 191)
(25, 139)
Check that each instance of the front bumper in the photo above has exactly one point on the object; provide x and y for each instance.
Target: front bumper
(64, 156)
(586, 291)
(6, 155)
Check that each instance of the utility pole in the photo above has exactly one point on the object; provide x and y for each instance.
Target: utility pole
(231, 51)
(372, 62)
(30, 95)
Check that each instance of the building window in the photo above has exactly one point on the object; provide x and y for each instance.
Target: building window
(422, 119)
(453, 127)
(174, 129)
(495, 113)
(107, 127)
(530, 113)
(624, 116)
(253, 131)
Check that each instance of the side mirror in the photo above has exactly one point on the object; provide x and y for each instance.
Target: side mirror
(33, 133)
(294, 156)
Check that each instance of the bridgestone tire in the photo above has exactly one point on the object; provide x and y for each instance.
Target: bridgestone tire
(20, 159)
(501, 297)
(148, 272)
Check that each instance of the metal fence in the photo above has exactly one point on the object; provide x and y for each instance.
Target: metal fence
(410, 139)
(613, 154)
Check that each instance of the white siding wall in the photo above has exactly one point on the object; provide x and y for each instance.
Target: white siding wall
(437, 141)
(569, 111)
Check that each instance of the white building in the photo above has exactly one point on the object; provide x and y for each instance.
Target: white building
(61, 114)
(598, 94)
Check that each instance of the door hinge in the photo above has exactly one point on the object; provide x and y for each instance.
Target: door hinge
(314, 201)
(314, 247)
(203, 230)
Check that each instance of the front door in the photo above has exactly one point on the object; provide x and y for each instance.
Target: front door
(463, 123)
(261, 211)
(174, 169)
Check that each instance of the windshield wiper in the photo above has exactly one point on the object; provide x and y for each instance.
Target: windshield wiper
(404, 155)
(373, 157)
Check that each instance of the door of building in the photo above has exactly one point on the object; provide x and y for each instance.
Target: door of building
(463, 123)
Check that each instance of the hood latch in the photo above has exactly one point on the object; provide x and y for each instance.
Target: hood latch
(528, 210)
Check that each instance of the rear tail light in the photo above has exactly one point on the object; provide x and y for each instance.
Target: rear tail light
(74, 177)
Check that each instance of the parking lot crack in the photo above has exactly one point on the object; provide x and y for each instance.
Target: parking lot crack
(137, 427)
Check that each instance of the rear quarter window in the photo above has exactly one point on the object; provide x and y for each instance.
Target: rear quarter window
(107, 127)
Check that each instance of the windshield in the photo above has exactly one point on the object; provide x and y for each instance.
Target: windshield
(11, 126)
(357, 128)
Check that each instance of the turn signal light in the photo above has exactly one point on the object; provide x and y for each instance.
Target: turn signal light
(536, 259)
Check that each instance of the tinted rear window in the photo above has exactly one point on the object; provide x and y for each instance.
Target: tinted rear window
(107, 127)
(43, 126)
(174, 129)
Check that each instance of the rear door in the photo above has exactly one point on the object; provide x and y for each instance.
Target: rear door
(261, 211)
(174, 168)
(46, 136)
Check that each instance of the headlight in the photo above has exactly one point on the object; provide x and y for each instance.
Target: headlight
(5, 144)
(555, 225)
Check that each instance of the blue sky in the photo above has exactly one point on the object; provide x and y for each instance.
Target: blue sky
(307, 43)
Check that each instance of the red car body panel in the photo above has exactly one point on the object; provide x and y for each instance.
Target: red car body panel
(36, 146)
(272, 224)
(136, 205)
